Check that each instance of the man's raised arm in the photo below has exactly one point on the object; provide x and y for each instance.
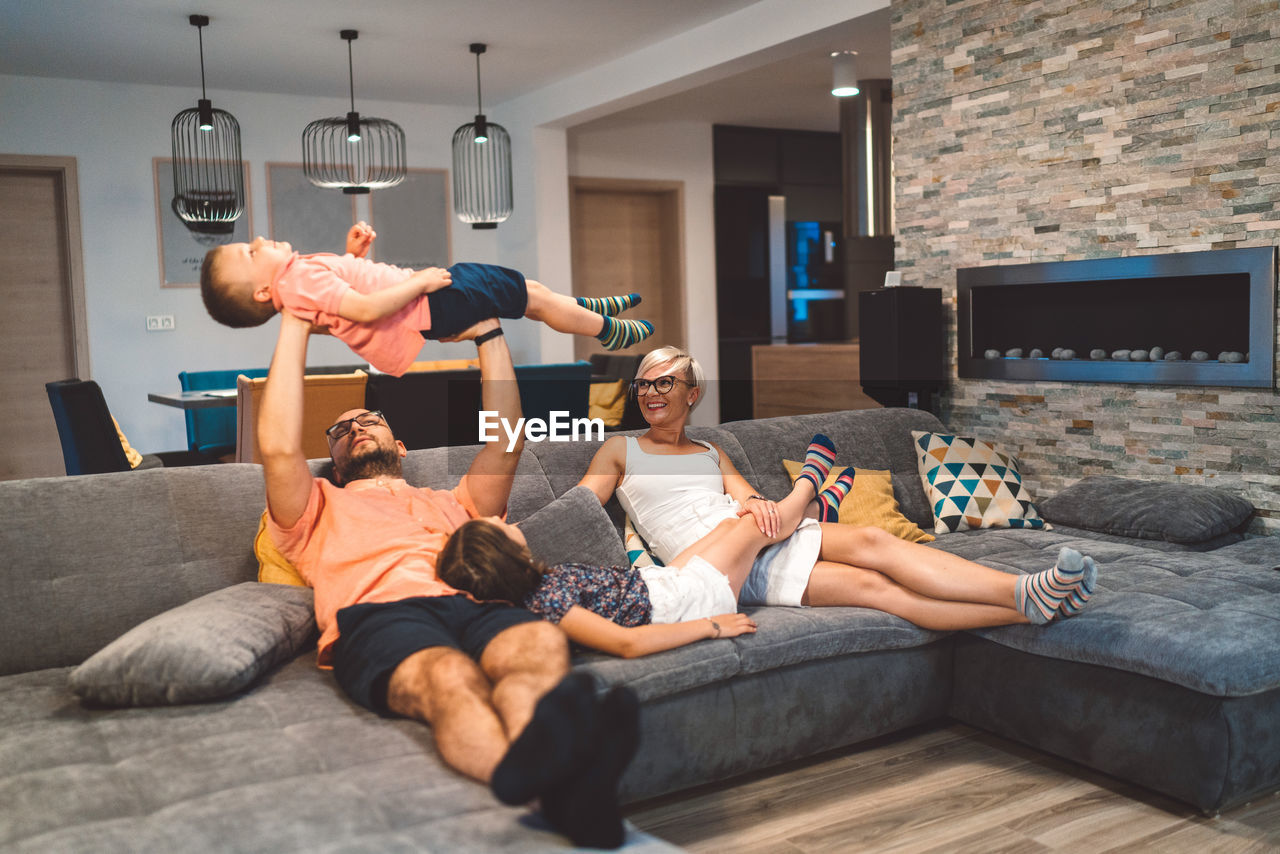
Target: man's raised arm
(494, 468)
(279, 441)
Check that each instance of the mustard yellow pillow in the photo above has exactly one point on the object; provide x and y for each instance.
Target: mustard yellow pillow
(130, 454)
(273, 567)
(607, 400)
(870, 502)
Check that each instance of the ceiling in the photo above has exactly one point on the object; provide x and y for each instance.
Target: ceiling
(416, 51)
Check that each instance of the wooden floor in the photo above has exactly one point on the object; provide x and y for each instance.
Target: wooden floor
(946, 789)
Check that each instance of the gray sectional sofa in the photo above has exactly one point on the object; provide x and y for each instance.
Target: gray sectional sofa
(1170, 679)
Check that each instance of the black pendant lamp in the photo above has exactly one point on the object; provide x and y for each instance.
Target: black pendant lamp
(355, 153)
(208, 176)
(481, 166)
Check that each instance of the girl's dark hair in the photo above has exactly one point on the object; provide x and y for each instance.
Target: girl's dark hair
(482, 560)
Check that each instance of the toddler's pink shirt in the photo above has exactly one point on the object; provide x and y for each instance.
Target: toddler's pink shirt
(311, 286)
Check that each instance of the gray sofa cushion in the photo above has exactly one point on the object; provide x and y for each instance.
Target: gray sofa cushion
(209, 648)
(787, 636)
(1204, 620)
(290, 766)
(90, 557)
(1149, 510)
(574, 529)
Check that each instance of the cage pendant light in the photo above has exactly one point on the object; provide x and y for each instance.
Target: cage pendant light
(481, 166)
(208, 176)
(355, 153)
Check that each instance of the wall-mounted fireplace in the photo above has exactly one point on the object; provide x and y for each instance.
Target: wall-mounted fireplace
(1081, 315)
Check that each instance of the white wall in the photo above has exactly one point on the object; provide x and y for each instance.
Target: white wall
(668, 151)
(114, 131)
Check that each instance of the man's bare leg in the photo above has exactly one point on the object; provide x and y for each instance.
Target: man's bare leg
(523, 663)
(445, 688)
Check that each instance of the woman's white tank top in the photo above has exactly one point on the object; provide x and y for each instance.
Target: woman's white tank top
(673, 500)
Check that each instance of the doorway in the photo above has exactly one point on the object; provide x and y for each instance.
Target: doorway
(628, 237)
(43, 328)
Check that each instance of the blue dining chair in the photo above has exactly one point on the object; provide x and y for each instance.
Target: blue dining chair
(212, 431)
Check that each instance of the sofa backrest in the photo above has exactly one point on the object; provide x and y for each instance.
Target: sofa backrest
(865, 438)
(87, 558)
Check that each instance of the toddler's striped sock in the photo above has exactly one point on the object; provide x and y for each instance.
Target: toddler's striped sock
(617, 334)
(818, 461)
(829, 499)
(609, 305)
(1039, 594)
(1081, 591)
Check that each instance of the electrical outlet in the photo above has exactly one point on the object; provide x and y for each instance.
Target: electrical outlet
(160, 323)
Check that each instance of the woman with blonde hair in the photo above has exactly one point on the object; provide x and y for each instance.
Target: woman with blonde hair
(685, 497)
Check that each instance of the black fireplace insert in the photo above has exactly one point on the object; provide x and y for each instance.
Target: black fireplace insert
(1190, 318)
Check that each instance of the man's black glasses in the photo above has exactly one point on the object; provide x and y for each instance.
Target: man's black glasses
(364, 419)
(661, 385)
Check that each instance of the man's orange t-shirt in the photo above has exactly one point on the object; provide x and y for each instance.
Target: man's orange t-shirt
(368, 542)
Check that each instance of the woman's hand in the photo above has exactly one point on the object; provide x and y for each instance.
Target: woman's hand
(765, 513)
(731, 625)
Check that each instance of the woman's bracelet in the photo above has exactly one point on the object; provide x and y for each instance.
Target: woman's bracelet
(760, 497)
(715, 626)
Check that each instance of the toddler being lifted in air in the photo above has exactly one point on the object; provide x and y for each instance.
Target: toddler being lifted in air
(383, 312)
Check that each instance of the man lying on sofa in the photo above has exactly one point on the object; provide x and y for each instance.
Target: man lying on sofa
(489, 678)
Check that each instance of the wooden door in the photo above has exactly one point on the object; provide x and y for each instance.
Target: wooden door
(627, 238)
(42, 303)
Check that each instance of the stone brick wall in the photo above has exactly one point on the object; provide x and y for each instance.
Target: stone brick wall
(1051, 130)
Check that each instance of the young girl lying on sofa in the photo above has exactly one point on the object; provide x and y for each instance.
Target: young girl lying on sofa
(624, 611)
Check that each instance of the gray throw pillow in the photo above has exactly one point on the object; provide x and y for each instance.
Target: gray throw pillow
(1175, 512)
(209, 648)
(574, 529)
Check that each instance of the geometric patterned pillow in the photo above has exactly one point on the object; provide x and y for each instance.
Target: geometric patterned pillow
(638, 552)
(970, 484)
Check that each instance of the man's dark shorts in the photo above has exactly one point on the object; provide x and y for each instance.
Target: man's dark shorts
(373, 638)
(478, 292)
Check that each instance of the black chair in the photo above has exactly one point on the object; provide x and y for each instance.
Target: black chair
(90, 444)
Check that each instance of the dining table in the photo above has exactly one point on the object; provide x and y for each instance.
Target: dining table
(201, 399)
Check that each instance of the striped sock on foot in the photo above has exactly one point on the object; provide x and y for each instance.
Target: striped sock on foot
(1039, 594)
(818, 461)
(618, 334)
(829, 499)
(1081, 591)
(609, 305)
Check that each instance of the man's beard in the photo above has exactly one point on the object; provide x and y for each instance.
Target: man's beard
(372, 463)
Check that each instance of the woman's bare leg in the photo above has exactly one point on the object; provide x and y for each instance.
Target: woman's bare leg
(930, 572)
(841, 584)
(732, 546)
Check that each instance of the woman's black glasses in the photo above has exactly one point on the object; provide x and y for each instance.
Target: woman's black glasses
(661, 385)
(364, 419)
